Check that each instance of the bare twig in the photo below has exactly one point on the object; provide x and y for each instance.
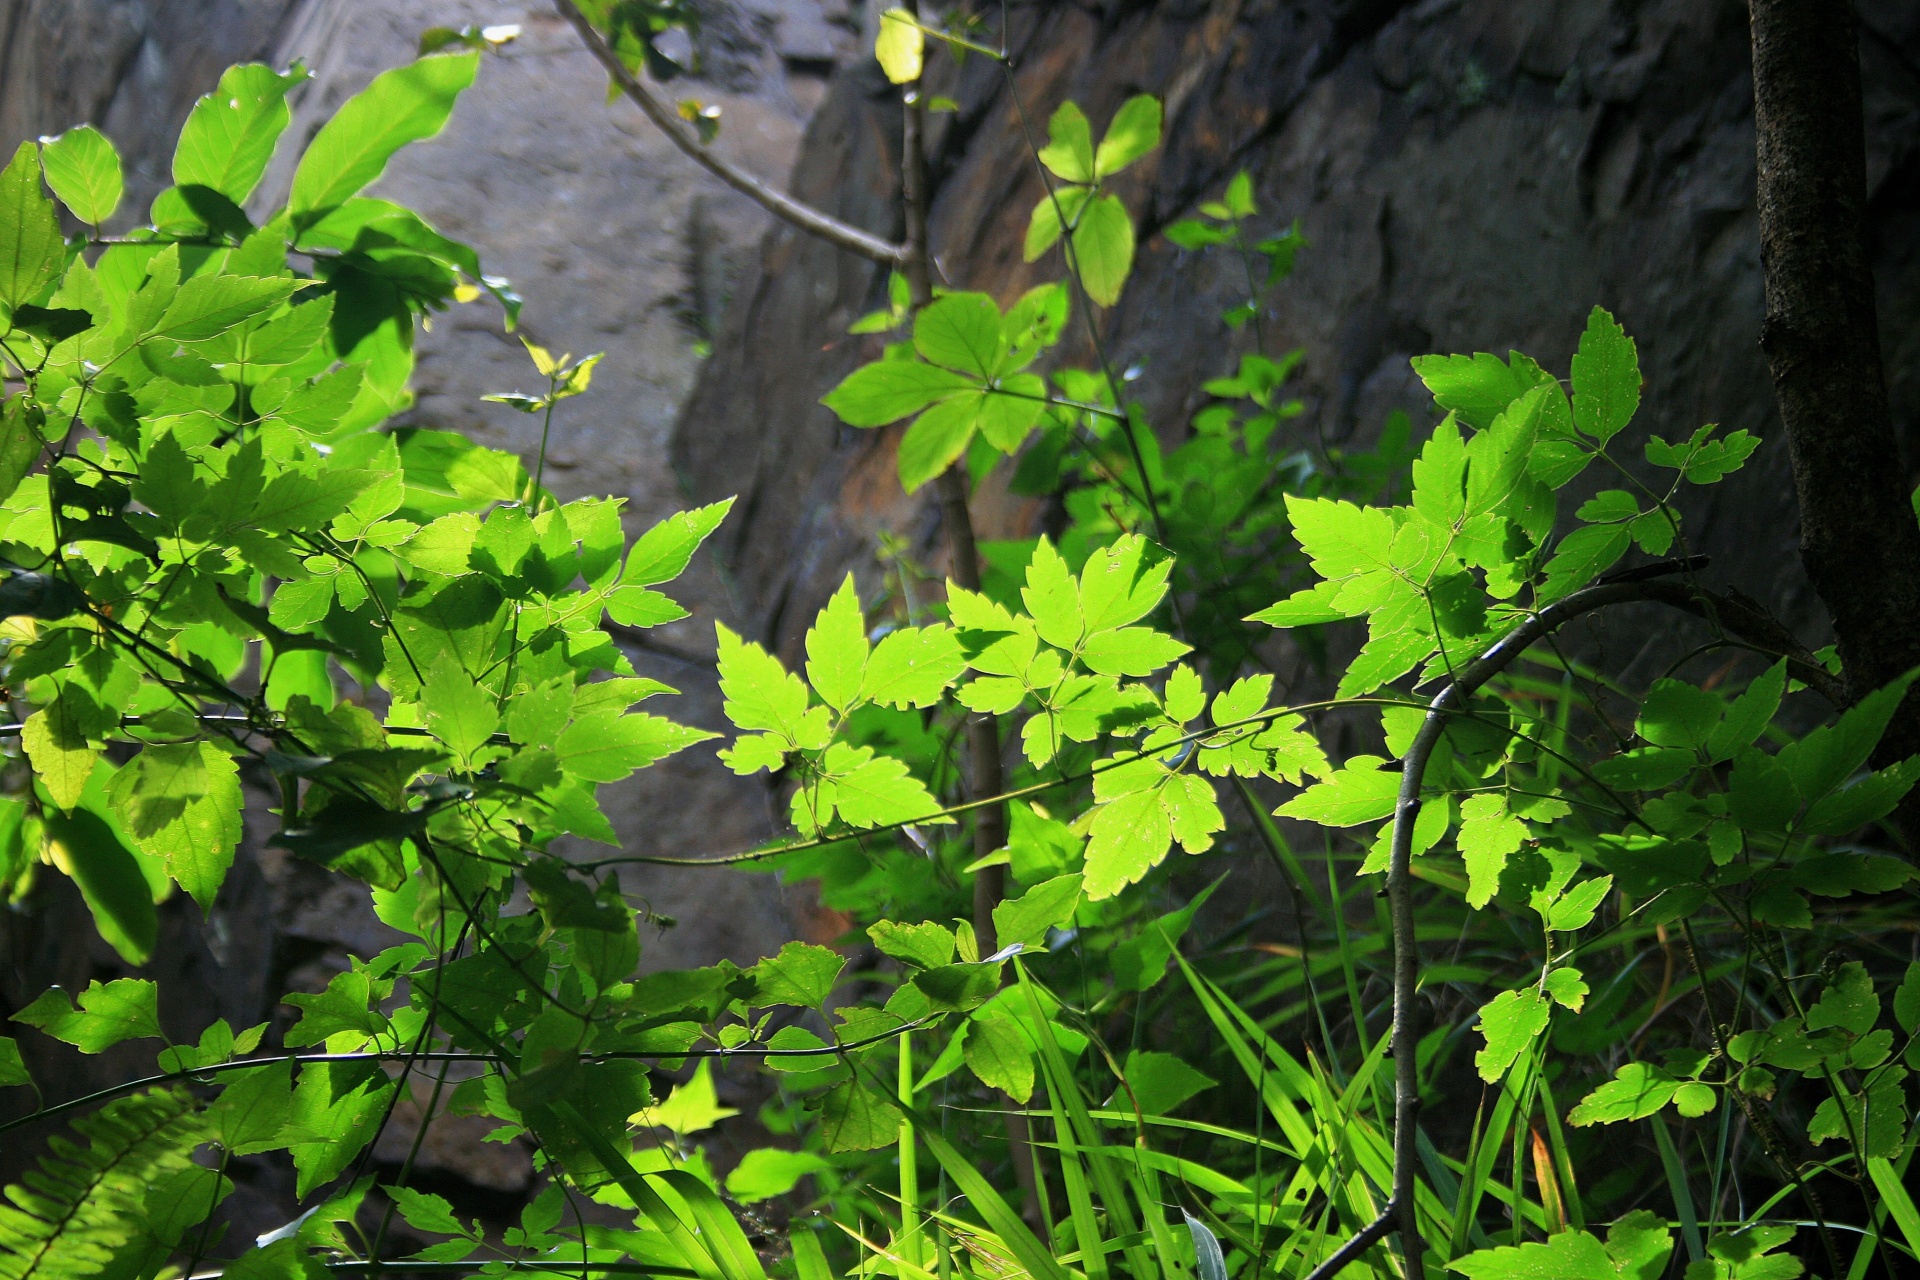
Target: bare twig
(781, 205)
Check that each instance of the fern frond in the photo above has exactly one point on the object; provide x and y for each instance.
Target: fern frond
(69, 1216)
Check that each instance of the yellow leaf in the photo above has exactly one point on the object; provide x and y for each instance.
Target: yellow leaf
(901, 46)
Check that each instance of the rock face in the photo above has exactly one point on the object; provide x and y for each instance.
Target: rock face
(1470, 175)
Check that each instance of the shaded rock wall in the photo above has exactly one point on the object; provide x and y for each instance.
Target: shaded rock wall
(1471, 175)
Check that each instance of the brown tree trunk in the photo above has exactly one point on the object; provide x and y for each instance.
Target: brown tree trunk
(1858, 537)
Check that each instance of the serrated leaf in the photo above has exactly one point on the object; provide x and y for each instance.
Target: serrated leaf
(31, 247)
(110, 878)
(83, 168)
(1509, 1023)
(837, 648)
(108, 1013)
(801, 974)
(663, 552)
(1488, 836)
(962, 332)
(856, 1118)
(759, 692)
(1359, 792)
(913, 666)
(182, 804)
(1637, 1090)
(998, 1052)
(927, 944)
(459, 712)
(1046, 905)
(207, 306)
(1128, 837)
(889, 390)
(607, 746)
(1606, 378)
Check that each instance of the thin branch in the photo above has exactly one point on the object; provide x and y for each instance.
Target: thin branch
(1400, 1208)
(778, 203)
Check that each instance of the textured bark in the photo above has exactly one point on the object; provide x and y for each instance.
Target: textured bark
(1858, 537)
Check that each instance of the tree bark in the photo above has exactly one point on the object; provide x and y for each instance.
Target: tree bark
(1859, 540)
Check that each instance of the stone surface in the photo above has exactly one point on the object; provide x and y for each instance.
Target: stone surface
(1470, 176)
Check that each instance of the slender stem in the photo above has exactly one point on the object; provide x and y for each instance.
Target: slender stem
(782, 206)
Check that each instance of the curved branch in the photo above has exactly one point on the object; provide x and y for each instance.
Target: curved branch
(1738, 616)
(778, 203)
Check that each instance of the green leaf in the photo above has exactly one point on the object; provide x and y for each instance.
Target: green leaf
(1637, 1090)
(230, 134)
(759, 692)
(1103, 248)
(1360, 792)
(766, 1172)
(663, 552)
(837, 649)
(1749, 715)
(1832, 753)
(1509, 1023)
(1906, 1000)
(1053, 214)
(1134, 132)
(83, 169)
(182, 804)
(1122, 583)
(1646, 768)
(111, 880)
(869, 790)
(1052, 597)
(337, 1107)
(928, 945)
(1161, 1082)
(607, 746)
(900, 46)
(1027, 918)
(31, 247)
(998, 1052)
(1069, 149)
(693, 1107)
(1678, 714)
(460, 713)
(1478, 387)
(889, 390)
(55, 740)
(13, 1070)
(962, 332)
(1609, 505)
(1571, 1255)
(802, 974)
(913, 666)
(856, 1118)
(124, 1009)
(937, 439)
(403, 105)
(1848, 1002)
(20, 441)
(252, 1111)
(1606, 378)
(425, 1212)
(346, 1005)
(207, 306)
(1488, 836)
(1129, 836)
